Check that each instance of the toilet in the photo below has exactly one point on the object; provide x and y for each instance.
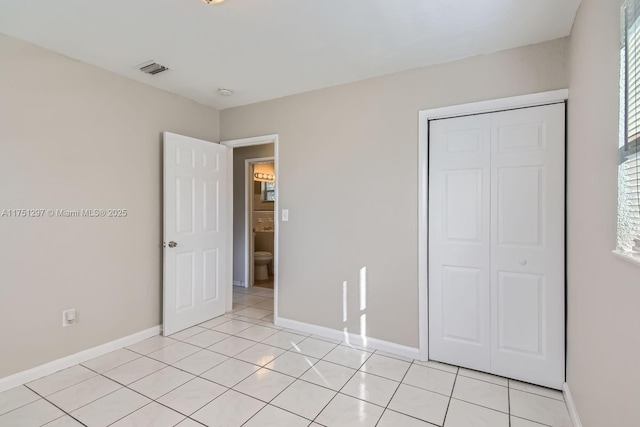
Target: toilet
(261, 260)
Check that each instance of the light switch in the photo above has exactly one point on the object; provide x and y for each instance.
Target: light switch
(285, 215)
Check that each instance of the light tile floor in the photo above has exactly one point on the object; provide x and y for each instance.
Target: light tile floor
(242, 370)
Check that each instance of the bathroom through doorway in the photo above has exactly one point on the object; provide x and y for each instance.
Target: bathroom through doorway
(253, 175)
(260, 221)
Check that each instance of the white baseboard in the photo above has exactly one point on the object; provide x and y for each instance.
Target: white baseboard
(239, 283)
(32, 374)
(374, 343)
(571, 406)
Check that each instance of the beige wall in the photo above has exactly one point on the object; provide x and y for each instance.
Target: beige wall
(239, 184)
(604, 291)
(75, 136)
(348, 173)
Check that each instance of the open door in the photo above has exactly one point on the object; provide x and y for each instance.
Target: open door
(196, 232)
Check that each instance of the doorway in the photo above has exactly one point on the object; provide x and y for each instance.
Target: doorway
(259, 221)
(252, 301)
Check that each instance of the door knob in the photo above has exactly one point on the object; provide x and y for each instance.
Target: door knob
(172, 244)
(522, 261)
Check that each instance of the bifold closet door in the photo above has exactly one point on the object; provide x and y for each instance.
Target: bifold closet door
(460, 241)
(527, 244)
(514, 323)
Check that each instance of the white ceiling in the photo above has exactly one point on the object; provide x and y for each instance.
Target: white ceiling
(264, 49)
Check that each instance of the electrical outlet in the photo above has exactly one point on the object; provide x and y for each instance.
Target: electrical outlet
(69, 317)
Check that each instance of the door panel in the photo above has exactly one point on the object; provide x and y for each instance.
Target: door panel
(185, 275)
(519, 203)
(195, 217)
(211, 282)
(185, 201)
(463, 205)
(520, 137)
(211, 206)
(459, 239)
(527, 254)
(520, 308)
(461, 308)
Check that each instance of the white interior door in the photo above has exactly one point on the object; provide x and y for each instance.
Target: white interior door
(501, 310)
(527, 244)
(196, 232)
(459, 241)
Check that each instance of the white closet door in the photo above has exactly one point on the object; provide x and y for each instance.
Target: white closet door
(496, 243)
(459, 241)
(527, 244)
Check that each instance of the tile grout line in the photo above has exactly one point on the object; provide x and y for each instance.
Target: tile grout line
(299, 378)
(479, 406)
(162, 404)
(484, 381)
(48, 401)
(394, 392)
(157, 400)
(386, 378)
(509, 400)
(450, 397)
(343, 386)
(28, 403)
(122, 386)
(134, 411)
(269, 403)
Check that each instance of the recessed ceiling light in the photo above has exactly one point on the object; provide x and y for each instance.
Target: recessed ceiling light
(213, 1)
(225, 92)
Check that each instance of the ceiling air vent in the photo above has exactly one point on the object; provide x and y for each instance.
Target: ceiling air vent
(152, 68)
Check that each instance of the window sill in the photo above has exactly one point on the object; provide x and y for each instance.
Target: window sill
(627, 256)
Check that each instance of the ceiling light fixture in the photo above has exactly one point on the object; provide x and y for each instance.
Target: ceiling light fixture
(213, 1)
(225, 92)
(263, 176)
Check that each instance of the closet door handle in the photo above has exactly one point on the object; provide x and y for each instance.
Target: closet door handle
(523, 262)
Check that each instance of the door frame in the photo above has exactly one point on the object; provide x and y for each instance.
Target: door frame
(424, 117)
(248, 219)
(247, 142)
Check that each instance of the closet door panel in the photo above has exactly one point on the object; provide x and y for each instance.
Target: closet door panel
(459, 242)
(527, 244)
